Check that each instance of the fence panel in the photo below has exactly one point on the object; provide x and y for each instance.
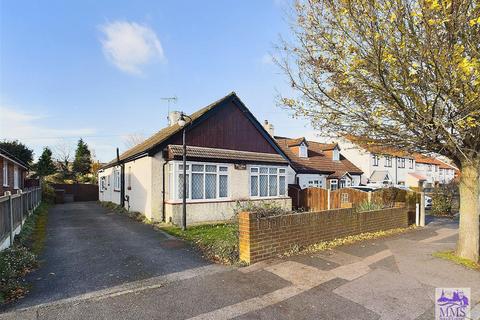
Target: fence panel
(347, 198)
(22, 204)
(314, 199)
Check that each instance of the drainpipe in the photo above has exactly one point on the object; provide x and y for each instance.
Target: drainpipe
(163, 191)
(122, 180)
(396, 170)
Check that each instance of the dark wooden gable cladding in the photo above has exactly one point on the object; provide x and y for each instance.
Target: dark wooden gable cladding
(227, 127)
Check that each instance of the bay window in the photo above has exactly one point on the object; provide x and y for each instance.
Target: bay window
(116, 180)
(16, 179)
(5, 173)
(267, 181)
(204, 181)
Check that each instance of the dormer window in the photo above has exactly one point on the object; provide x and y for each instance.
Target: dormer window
(336, 154)
(303, 151)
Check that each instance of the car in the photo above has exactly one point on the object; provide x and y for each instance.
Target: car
(365, 188)
(428, 202)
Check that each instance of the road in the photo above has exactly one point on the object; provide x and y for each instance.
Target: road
(389, 278)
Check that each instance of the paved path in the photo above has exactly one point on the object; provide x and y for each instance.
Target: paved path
(87, 250)
(391, 278)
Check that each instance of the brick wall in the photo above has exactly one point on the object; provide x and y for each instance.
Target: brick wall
(264, 238)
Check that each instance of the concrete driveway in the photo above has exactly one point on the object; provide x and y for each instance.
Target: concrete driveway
(88, 249)
(389, 278)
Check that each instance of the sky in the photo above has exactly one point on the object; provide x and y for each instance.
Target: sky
(99, 69)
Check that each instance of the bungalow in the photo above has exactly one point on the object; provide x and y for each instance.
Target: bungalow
(13, 173)
(230, 159)
(387, 166)
(321, 165)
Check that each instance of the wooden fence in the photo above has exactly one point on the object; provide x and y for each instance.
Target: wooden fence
(14, 209)
(315, 199)
(78, 191)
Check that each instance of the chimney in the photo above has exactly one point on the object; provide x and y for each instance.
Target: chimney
(269, 128)
(173, 117)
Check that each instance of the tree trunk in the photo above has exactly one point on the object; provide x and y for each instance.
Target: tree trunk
(469, 236)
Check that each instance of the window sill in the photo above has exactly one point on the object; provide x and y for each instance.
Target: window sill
(200, 201)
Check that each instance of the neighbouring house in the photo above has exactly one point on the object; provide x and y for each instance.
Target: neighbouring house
(389, 166)
(314, 164)
(13, 174)
(230, 158)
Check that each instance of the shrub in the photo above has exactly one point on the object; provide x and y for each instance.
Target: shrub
(48, 193)
(261, 208)
(368, 206)
(443, 199)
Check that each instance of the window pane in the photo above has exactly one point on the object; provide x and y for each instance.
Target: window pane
(272, 185)
(281, 170)
(180, 167)
(180, 186)
(223, 169)
(211, 168)
(210, 186)
(263, 186)
(272, 170)
(281, 186)
(263, 170)
(197, 167)
(197, 185)
(253, 169)
(254, 186)
(223, 186)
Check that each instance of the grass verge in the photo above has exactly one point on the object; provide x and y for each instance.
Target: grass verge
(327, 245)
(218, 242)
(21, 258)
(450, 255)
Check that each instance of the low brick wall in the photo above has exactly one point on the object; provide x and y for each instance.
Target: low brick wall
(262, 238)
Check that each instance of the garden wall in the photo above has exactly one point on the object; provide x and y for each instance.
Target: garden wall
(263, 238)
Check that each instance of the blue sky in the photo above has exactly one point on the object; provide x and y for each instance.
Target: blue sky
(98, 69)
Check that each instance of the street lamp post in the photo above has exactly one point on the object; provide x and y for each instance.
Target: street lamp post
(183, 124)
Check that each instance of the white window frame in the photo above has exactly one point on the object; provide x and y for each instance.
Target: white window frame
(388, 161)
(176, 169)
(334, 182)
(116, 180)
(102, 184)
(16, 184)
(303, 151)
(376, 160)
(278, 174)
(336, 154)
(5, 173)
(401, 163)
(411, 163)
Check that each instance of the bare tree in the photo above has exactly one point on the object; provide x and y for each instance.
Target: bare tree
(63, 154)
(397, 73)
(132, 139)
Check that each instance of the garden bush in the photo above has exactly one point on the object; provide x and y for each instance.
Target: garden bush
(444, 199)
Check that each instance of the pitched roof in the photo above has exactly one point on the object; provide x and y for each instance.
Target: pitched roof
(11, 157)
(164, 134)
(374, 147)
(225, 154)
(317, 161)
(379, 176)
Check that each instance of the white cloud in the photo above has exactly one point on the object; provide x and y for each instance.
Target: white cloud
(130, 46)
(28, 128)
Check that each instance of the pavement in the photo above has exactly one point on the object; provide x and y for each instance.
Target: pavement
(388, 278)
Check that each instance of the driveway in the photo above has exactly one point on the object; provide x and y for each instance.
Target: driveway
(388, 278)
(88, 249)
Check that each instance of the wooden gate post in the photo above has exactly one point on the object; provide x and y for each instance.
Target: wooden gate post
(422, 209)
(369, 196)
(10, 213)
(328, 199)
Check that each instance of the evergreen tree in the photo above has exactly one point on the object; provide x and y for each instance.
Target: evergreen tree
(18, 150)
(83, 159)
(45, 166)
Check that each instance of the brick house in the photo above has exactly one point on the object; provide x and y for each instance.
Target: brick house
(12, 174)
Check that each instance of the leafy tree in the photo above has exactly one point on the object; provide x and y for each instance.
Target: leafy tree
(45, 166)
(398, 73)
(18, 150)
(83, 159)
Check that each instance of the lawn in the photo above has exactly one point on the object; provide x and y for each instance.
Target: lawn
(218, 242)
